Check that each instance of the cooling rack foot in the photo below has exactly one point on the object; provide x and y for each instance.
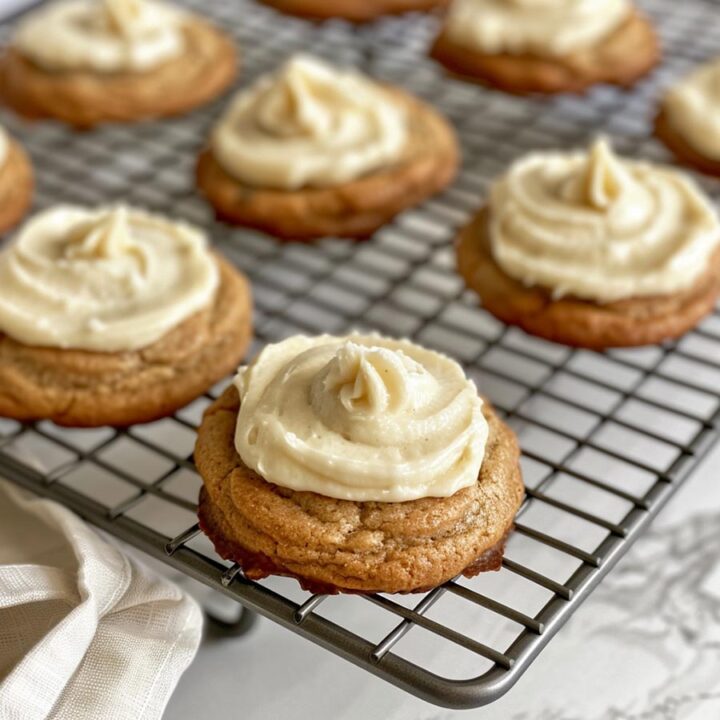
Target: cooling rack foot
(245, 622)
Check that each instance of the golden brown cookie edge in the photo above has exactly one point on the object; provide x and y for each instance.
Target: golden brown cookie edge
(528, 74)
(25, 395)
(84, 99)
(356, 11)
(256, 566)
(16, 186)
(573, 321)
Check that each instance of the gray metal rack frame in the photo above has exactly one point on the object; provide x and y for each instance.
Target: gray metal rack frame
(607, 438)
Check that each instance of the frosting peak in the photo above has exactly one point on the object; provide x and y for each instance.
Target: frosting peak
(105, 280)
(105, 237)
(603, 183)
(596, 226)
(309, 124)
(125, 16)
(542, 27)
(603, 180)
(370, 380)
(360, 418)
(300, 102)
(102, 36)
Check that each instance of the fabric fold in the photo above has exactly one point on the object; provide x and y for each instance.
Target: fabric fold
(85, 632)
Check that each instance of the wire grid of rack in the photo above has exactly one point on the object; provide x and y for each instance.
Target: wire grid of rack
(606, 438)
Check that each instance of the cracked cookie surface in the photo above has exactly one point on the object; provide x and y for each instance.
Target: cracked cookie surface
(333, 545)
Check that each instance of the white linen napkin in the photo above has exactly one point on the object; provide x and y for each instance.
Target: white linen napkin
(85, 631)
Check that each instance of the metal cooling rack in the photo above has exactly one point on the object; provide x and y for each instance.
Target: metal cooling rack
(607, 438)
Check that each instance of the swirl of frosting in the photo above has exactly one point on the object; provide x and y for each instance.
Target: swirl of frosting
(309, 124)
(693, 109)
(592, 225)
(107, 280)
(543, 27)
(103, 36)
(360, 418)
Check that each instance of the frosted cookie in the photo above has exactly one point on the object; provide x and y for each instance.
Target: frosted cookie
(689, 118)
(312, 151)
(91, 61)
(591, 250)
(358, 11)
(16, 181)
(547, 46)
(114, 316)
(357, 464)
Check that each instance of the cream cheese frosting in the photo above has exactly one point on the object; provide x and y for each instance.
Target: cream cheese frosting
(693, 109)
(309, 124)
(104, 36)
(360, 418)
(598, 227)
(541, 27)
(112, 279)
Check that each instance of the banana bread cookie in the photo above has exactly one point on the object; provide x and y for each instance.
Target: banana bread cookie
(312, 151)
(357, 464)
(86, 62)
(590, 250)
(113, 317)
